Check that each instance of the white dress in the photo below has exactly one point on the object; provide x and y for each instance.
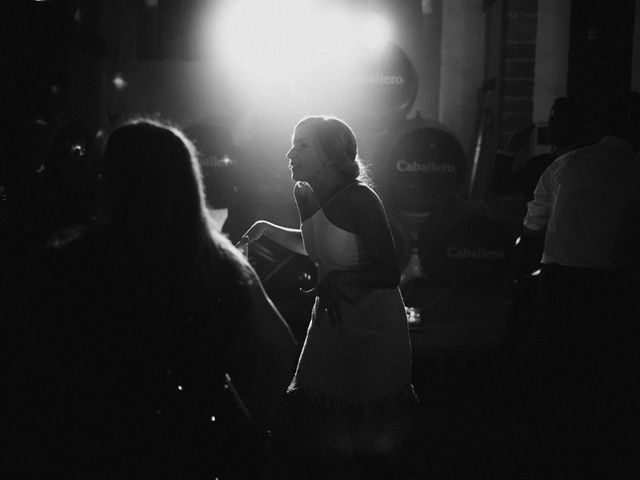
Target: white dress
(366, 357)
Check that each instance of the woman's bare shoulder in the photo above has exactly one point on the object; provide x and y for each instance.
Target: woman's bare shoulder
(361, 196)
(356, 204)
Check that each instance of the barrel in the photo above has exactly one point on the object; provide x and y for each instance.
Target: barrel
(421, 165)
(381, 84)
(461, 245)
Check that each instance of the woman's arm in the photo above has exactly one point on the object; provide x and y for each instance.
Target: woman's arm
(289, 238)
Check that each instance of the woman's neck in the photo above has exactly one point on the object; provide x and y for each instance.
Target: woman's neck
(325, 191)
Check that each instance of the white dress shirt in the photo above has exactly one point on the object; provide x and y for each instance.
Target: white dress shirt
(583, 199)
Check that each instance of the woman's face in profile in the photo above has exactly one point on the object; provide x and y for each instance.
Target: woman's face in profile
(306, 160)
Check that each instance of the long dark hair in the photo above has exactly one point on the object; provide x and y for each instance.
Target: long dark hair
(159, 220)
(127, 329)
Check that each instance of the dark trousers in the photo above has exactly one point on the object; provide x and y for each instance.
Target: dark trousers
(587, 353)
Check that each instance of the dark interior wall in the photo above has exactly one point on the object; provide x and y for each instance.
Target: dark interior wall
(52, 51)
(600, 52)
(600, 55)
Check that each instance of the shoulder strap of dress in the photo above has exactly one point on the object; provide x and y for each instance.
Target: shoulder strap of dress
(345, 187)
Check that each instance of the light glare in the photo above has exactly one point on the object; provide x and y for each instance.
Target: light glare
(264, 41)
(376, 32)
(119, 82)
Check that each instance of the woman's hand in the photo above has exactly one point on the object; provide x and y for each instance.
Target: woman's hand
(254, 233)
(331, 292)
(289, 238)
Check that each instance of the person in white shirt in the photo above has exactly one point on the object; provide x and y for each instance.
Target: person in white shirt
(586, 206)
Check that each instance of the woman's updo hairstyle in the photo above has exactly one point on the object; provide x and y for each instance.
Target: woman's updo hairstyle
(338, 142)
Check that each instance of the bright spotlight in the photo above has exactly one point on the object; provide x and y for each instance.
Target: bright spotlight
(328, 53)
(375, 32)
(264, 40)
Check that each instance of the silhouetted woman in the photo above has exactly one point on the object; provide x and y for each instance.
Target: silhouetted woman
(126, 350)
(352, 386)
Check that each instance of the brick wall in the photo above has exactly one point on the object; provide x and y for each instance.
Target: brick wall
(518, 67)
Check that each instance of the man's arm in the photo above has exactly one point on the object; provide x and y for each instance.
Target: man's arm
(539, 209)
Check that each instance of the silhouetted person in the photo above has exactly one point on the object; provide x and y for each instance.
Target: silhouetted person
(585, 205)
(565, 133)
(122, 340)
(352, 392)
